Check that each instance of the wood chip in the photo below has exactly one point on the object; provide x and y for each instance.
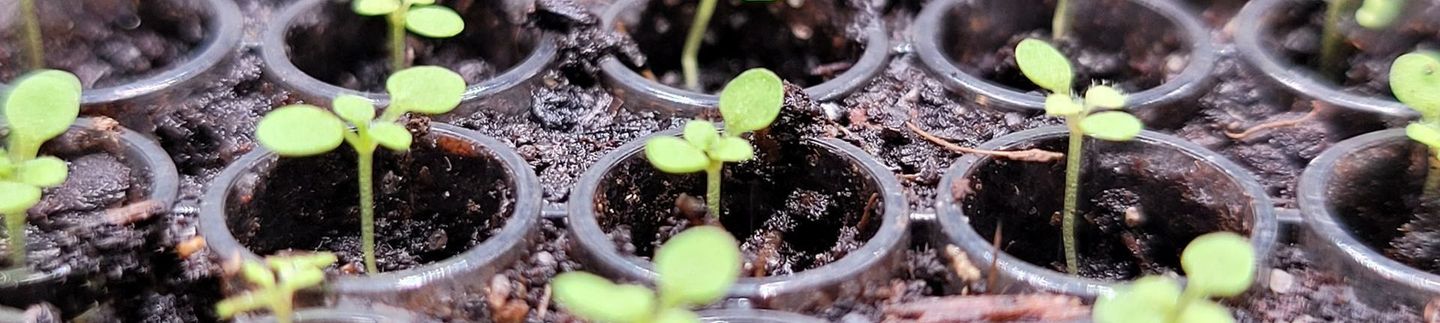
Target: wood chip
(989, 308)
(134, 212)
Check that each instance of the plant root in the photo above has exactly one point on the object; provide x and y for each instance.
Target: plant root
(1028, 155)
(1273, 125)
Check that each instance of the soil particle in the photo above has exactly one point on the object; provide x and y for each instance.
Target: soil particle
(108, 42)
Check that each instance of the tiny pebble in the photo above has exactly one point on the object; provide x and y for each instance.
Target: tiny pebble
(1280, 281)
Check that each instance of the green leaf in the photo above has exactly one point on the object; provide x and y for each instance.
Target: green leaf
(751, 101)
(1219, 264)
(1112, 126)
(1044, 65)
(246, 302)
(701, 134)
(374, 7)
(434, 21)
(1377, 14)
(596, 299)
(420, 2)
(1104, 97)
(257, 274)
(697, 266)
(1415, 80)
(1205, 311)
(1424, 133)
(677, 315)
(674, 155)
(1148, 299)
(17, 198)
(732, 149)
(42, 105)
(300, 130)
(45, 171)
(7, 168)
(1057, 104)
(353, 109)
(425, 89)
(390, 135)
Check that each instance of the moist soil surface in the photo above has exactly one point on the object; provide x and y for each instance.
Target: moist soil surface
(441, 198)
(108, 42)
(575, 121)
(1377, 194)
(1366, 54)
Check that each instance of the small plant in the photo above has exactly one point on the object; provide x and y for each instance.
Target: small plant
(304, 130)
(1060, 22)
(1049, 69)
(423, 17)
(275, 283)
(41, 106)
(690, 55)
(1415, 80)
(696, 267)
(34, 48)
(1372, 14)
(750, 102)
(1220, 264)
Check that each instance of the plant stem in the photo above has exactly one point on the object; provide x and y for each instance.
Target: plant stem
(15, 226)
(712, 187)
(1186, 298)
(397, 37)
(282, 308)
(34, 48)
(367, 207)
(1431, 192)
(689, 65)
(1072, 193)
(1060, 24)
(1331, 37)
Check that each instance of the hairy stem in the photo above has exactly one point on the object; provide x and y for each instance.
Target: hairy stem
(712, 188)
(397, 37)
(689, 64)
(367, 208)
(34, 48)
(1072, 194)
(1060, 24)
(1331, 37)
(1431, 192)
(15, 227)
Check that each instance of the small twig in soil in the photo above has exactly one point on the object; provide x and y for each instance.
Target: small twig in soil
(991, 283)
(989, 308)
(544, 309)
(865, 217)
(1272, 125)
(830, 69)
(1029, 155)
(960, 264)
(131, 213)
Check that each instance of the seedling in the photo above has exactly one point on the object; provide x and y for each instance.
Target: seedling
(1372, 14)
(1220, 264)
(41, 106)
(1060, 22)
(1092, 115)
(304, 130)
(34, 49)
(275, 283)
(422, 17)
(1415, 80)
(750, 102)
(689, 56)
(696, 267)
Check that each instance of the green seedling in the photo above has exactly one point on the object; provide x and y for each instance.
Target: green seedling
(41, 106)
(1220, 264)
(695, 268)
(34, 49)
(690, 55)
(1415, 80)
(1378, 14)
(1372, 14)
(1060, 22)
(1094, 115)
(423, 17)
(304, 130)
(274, 284)
(750, 102)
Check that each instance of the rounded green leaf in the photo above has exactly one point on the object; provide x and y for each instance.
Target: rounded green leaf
(701, 134)
(1415, 80)
(1377, 14)
(45, 171)
(1205, 311)
(596, 299)
(425, 89)
(374, 7)
(434, 21)
(732, 149)
(17, 198)
(1423, 133)
(751, 101)
(419, 2)
(697, 266)
(1148, 299)
(1112, 126)
(674, 155)
(1057, 104)
(1044, 65)
(354, 109)
(390, 135)
(300, 130)
(677, 315)
(1219, 264)
(1104, 97)
(42, 105)
(7, 168)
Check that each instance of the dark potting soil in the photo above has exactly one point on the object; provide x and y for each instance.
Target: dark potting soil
(1367, 54)
(324, 45)
(1300, 293)
(108, 42)
(441, 198)
(1376, 195)
(807, 45)
(1140, 205)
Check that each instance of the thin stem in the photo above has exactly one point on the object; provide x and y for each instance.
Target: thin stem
(712, 187)
(1072, 194)
(15, 227)
(1186, 298)
(367, 207)
(1331, 37)
(1060, 24)
(282, 308)
(34, 48)
(397, 37)
(689, 64)
(1431, 192)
